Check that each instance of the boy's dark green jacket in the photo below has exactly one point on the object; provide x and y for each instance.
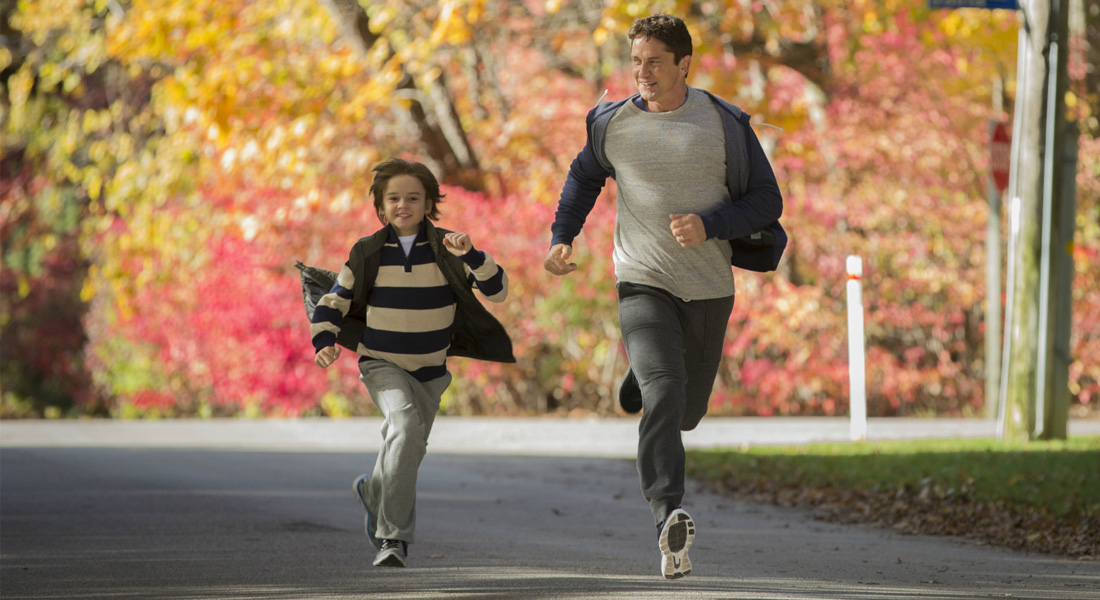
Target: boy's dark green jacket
(475, 333)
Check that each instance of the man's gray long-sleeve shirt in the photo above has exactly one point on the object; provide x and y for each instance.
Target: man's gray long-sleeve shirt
(700, 158)
(669, 163)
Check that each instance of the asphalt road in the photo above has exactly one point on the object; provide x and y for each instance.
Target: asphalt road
(525, 509)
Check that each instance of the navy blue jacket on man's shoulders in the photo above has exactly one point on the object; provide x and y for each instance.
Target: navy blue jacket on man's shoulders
(750, 221)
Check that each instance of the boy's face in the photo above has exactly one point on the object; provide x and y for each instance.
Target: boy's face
(404, 204)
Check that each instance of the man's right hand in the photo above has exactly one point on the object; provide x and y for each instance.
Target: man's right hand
(326, 356)
(556, 261)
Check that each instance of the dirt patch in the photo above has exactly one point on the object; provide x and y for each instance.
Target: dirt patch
(936, 512)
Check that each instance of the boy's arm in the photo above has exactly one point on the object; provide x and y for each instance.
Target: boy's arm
(331, 309)
(486, 275)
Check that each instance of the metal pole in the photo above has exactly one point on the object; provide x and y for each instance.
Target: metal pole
(1050, 152)
(993, 299)
(856, 361)
(993, 271)
(1023, 73)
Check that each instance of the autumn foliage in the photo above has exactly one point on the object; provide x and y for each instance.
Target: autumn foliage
(166, 164)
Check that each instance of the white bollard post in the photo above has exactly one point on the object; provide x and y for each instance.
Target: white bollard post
(857, 401)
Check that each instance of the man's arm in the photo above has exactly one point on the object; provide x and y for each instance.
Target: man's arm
(582, 187)
(583, 184)
(760, 206)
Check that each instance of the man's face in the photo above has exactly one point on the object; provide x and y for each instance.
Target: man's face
(660, 81)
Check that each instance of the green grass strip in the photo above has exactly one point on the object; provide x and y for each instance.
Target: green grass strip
(1058, 477)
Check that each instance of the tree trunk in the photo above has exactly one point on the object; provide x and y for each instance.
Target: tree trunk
(432, 112)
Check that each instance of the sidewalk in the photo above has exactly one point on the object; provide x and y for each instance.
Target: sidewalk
(591, 437)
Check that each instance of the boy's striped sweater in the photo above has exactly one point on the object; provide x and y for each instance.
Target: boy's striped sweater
(411, 307)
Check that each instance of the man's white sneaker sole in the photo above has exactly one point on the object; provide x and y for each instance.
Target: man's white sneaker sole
(676, 538)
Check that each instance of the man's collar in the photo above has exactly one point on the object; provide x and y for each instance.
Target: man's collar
(640, 103)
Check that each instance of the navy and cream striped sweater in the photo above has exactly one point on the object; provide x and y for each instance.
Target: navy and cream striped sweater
(411, 307)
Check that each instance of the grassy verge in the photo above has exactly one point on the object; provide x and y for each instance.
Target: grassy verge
(1038, 496)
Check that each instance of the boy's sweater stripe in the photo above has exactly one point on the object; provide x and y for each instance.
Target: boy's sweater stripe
(421, 298)
(323, 328)
(429, 373)
(486, 276)
(420, 343)
(410, 275)
(425, 360)
(414, 321)
(493, 285)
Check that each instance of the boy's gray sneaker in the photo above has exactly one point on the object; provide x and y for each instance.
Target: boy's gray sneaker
(391, 554)
(677, 534)
(630, 395)
(360, 487)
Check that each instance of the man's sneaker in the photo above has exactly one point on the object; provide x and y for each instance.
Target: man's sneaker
(360, 486)
(677, 534)
(391, 554)
(630, 395)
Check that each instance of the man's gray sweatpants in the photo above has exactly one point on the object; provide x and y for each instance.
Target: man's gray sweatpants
(409, 407)
(674, 347)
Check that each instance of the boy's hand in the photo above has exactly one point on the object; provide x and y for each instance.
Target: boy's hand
(458, 243)
(555, 261)
(326, 356)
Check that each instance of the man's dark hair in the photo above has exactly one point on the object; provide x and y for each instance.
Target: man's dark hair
(387, 170)
(664, 28)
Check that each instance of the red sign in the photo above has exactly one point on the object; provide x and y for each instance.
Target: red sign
(1000, 156)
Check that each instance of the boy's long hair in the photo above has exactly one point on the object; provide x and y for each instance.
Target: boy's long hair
(388, 169)
(664, 28)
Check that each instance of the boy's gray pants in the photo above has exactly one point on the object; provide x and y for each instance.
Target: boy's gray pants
(409, 407)
(674, 347)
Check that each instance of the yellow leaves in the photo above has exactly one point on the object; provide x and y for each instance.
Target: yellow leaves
(19, 87)
(600, 35)
(427, 77)
(88, 289)
(871, 22)
(474, 12)
(380, 18)
(94, 185)
(450, 28)
(380, 53)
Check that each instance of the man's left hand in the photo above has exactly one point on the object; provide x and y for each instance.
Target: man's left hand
(688, 229)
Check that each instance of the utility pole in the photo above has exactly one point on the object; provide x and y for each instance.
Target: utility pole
(1034, 402)
(1000, 163)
